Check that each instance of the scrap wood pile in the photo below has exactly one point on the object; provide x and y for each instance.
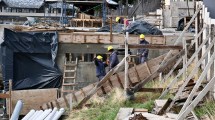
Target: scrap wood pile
(160, 107)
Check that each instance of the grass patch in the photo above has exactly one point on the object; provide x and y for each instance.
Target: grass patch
(108, 107)
(208, 108)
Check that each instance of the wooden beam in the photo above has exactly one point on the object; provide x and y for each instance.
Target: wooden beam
(2, 95)
(156, 73)
(135, 46)
(166, 105)
(188, 63)
(159, 90)
(193, 72)
(197, 99)
(198, 83)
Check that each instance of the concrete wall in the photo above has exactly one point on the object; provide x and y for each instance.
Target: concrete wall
(175, 11)
(86, 70)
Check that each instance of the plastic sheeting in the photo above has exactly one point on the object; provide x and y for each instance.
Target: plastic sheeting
(142, 27)
(137, 27)
(29, 60)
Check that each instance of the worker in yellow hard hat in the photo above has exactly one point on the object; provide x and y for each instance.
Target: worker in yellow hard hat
(117, 19)
(113, 59)
(100, 67)
(143, 52)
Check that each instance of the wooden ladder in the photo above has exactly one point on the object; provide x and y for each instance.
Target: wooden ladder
(69, 76)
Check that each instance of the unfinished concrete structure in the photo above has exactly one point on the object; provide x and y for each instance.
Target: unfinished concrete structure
(96, 43)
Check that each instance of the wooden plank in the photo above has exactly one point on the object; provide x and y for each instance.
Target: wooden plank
(140, 110)
(147, 68)
(172, 115)
(33, 99)
(187, 64)
(156, 73)
(157, 90)
(197, 99)
(199, 81)
(2, 95)
(193, 72)
(95, 37)
(160, 103)
(171, 71)
(151, 46)
(164, 107)
(123, 113)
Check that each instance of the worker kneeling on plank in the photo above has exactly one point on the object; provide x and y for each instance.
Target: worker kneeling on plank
(113, 59)
(100, 67)
(143, 52)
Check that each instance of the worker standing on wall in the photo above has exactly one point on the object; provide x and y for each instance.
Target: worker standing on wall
(143, 53)
(113, 59)
(100, 67)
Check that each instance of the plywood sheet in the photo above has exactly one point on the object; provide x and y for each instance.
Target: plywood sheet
(33, 99)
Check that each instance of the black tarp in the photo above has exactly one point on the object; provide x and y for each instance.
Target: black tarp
(28, 58)
(137, 27)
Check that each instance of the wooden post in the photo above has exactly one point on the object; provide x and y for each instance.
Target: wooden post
(184, 59)
(10, 99)
(198, 83)
(197, 99)
(192, 73)
(188, 63)
(126, 65)
(111, 30)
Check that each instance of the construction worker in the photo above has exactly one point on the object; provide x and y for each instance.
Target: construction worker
(113, 59)
(143, 53)
(100, 67)
(118, 20)
(122, 21)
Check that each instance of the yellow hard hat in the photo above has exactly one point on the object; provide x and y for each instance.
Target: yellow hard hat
(117, 19)
(99, 57)
(142, 36)
(109, 48)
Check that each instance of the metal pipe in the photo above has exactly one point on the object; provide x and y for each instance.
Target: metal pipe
(33, 115)
(44, 114)
(58, 114)
(37, 115)
(51, 115)
(29, 115)
(17, 110)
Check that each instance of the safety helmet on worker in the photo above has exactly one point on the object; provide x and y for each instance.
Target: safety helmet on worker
(117, 19)
(110, 48)
(99, 57)
(142, 36)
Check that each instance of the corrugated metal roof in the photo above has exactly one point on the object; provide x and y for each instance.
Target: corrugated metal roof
(24, 3)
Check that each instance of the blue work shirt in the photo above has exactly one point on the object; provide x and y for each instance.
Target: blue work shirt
(100, 67)
(144, 51)
(113, 59)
